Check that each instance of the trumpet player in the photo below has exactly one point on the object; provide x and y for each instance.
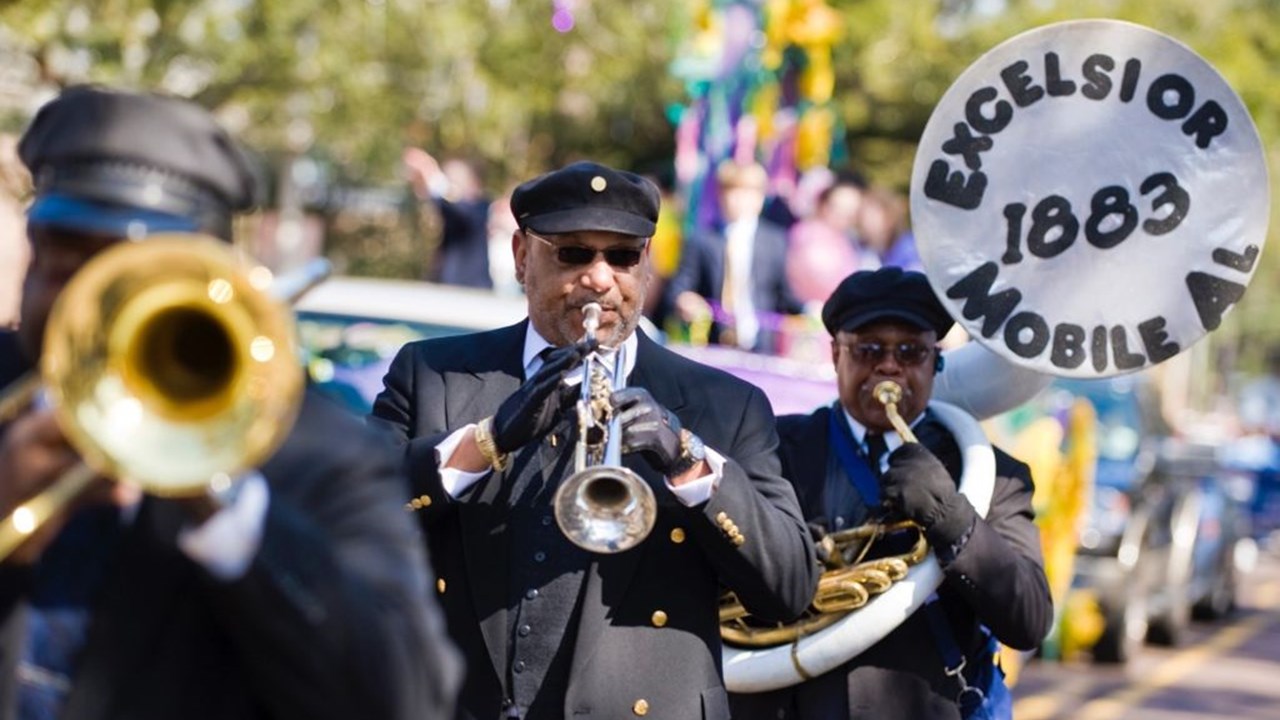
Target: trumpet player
(549, 629)
(849, 465)
(299, 591)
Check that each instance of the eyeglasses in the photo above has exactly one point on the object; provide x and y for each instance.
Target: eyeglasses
(578, 255)
(906, 354)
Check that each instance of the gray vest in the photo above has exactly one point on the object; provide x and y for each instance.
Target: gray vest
(545, 585)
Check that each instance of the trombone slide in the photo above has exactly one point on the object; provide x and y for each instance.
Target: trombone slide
(34, 513)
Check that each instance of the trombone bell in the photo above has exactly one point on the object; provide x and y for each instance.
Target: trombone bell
(168, 366)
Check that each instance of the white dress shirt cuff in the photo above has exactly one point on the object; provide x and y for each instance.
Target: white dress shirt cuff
(698, 491)
(455, 481)
(226, 543)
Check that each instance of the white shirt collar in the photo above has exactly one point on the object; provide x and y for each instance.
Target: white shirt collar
(534, 343)
(891, 439)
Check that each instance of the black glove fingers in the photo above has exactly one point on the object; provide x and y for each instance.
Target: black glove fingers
(628, 397)
(569, 395)
(631, 416)
(537, 390)
(642, 427)
(908, 452)
(563, 359)
(559, 363)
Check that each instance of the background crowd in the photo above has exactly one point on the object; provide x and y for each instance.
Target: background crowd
(766, 254)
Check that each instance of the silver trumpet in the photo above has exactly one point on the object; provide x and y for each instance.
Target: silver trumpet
(602, 507)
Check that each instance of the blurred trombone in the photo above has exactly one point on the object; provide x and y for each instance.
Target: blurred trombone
(168, 364)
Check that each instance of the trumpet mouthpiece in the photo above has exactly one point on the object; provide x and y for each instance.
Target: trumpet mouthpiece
(591, 318)
(887, 392)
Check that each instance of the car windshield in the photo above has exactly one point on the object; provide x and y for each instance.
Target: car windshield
(347, 356)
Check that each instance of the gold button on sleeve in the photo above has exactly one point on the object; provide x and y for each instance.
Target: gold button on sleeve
(659, 618)
(722, 517)
(677, 535)
(641, 707)
(440, 585)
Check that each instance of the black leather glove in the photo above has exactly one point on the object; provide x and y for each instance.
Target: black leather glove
(647, 427)
(918, 487)
(532, 411)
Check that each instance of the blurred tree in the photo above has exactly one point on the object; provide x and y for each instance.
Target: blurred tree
(521, 85)
(531, 84)
(492, 79)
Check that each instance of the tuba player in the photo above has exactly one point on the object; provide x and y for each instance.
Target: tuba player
(848, 464)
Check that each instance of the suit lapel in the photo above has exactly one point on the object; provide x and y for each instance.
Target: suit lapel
(654, 373)
(486, 376)
(813, 462)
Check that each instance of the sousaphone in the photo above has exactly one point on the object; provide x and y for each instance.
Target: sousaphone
(1090, 198)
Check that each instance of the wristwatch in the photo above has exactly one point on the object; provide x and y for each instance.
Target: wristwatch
(692, 452)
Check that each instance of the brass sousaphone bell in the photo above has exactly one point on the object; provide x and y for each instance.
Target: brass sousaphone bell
(849, 580)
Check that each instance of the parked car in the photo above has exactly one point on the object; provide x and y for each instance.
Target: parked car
(1254, 466)
(351, 328)
(1161, 540)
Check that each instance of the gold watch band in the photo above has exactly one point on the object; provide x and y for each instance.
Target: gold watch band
(488, 450)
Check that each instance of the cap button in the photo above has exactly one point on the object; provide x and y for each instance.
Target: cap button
(598, 183)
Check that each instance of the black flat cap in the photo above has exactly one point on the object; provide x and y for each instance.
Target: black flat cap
(587, 196)
(159, 154)
(885, 294)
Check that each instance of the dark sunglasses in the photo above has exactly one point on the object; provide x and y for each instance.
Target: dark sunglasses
(577, 255)
(907, 353)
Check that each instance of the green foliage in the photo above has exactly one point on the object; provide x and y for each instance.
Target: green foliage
(488, 79)
(354, 80)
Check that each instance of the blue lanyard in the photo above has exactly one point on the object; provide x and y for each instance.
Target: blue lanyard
(855, 467)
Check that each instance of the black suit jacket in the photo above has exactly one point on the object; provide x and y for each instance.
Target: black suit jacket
(702, 268)
(996, 580)
(334, 619)
(435, 387)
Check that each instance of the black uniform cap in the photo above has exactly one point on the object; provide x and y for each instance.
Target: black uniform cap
(586, 196)
(885, 294)
(161, 155)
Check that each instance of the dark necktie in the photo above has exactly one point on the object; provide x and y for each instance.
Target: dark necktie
(876, 448)
(541, 357)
